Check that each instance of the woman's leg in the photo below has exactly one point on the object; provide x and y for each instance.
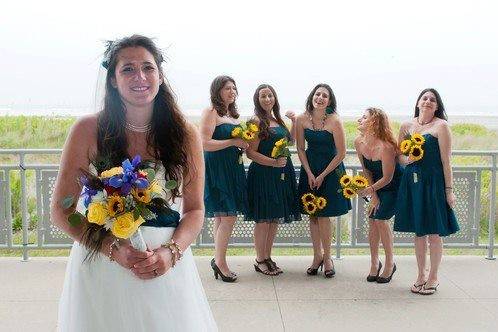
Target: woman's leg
(317, 243)
(222, 237)
(386, 235)
(272, 233)
(260, 240)
(373, 240)
(420, 253)
(436, 254)
(325, 228)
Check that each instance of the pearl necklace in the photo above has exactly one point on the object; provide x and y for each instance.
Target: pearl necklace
(138, 129)
(423, 124)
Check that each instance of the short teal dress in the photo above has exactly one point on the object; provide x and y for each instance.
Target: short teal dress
(225, 191)
(387, 194)
(271, 198)
(320, 152)
(421, 207)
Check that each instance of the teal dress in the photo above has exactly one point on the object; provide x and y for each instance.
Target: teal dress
(387, 194)
(320, 152)
(271, 198)
(421, 207)
(225, 190)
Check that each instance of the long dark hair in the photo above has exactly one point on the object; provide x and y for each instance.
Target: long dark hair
(167, 139)
(332, 102)
(216, 86)
(440, 112)
(264, 119)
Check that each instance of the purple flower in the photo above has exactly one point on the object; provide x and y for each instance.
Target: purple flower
(129, 178)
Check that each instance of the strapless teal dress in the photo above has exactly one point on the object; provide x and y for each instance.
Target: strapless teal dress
(387, 194)
(421, 207)
(272, 199)
(225, 191)
(320, 152)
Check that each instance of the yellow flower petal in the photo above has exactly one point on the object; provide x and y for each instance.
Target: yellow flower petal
(345, 180)
(405, 146)
(125, 225)
(97, 213)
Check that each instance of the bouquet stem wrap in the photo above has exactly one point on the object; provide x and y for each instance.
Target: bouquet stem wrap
(137, 240)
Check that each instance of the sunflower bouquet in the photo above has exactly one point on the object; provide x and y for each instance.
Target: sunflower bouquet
(352, 184)
(246, 131)
(312, 203)
(120, 199)
(281, 149)
(412, 146)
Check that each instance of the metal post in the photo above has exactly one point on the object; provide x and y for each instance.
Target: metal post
(492, 211)
(24, 209)
(338, 238)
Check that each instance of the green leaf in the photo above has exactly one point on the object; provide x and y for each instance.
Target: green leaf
(243, 125)
(171, 184)
(137, 212)
(75, 219)
(68, 202)
(151, 174)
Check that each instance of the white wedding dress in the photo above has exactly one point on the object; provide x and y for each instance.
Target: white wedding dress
(101, 295)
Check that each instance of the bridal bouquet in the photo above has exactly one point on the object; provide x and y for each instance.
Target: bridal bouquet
(312, 204)
(120, 199)
(412, 146)
(352, 184)
(247, 131)
(281, 149)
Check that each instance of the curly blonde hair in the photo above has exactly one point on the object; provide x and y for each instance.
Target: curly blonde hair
(379, 127)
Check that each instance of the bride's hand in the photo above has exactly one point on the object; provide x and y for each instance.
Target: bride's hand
(154, 266)
(127, 256)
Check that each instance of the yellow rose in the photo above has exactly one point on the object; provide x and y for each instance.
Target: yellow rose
(236, 132)
(142, 195)
(124, 226)
(279, 142)
(111, 172)
(97, 213)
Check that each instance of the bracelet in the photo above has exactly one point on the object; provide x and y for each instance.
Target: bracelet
(113, 243)
(445, 188)
(176, 251)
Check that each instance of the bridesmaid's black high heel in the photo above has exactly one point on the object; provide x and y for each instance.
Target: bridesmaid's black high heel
(382, 280)
(313, 272)
(329, 273)
(374, 278)
(217, 272)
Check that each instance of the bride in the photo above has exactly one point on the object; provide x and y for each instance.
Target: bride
(111, 287)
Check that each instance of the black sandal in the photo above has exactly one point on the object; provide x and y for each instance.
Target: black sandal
(329, 273)
(314, 271)
(268, 271)
(274, 265)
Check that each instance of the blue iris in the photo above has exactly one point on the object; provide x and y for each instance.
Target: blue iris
(129, 178)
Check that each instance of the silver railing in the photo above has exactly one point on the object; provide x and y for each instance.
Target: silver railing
(28, 188)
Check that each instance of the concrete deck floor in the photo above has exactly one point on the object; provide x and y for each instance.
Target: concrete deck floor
(466, 300)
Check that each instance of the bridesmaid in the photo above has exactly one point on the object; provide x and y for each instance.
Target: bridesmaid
(377, 150)
(426, 198)
(321, 169)
(272, 199)
(225, 194)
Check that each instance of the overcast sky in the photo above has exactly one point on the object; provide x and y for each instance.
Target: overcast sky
(379, 53)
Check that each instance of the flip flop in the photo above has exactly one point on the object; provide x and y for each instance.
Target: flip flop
(428, 290)
(417, 288)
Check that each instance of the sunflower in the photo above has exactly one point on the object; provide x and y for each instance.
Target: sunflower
(348, 193)
(308, 198)
(253, 128)
(321, 202)
(405, 146)
(248, 135)
(236, 132)
(274, 152)
(418, 139)
(310, 208)
(416, 152)
(360, 181)
(115, 205)
(345, 180)
(142, 195)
